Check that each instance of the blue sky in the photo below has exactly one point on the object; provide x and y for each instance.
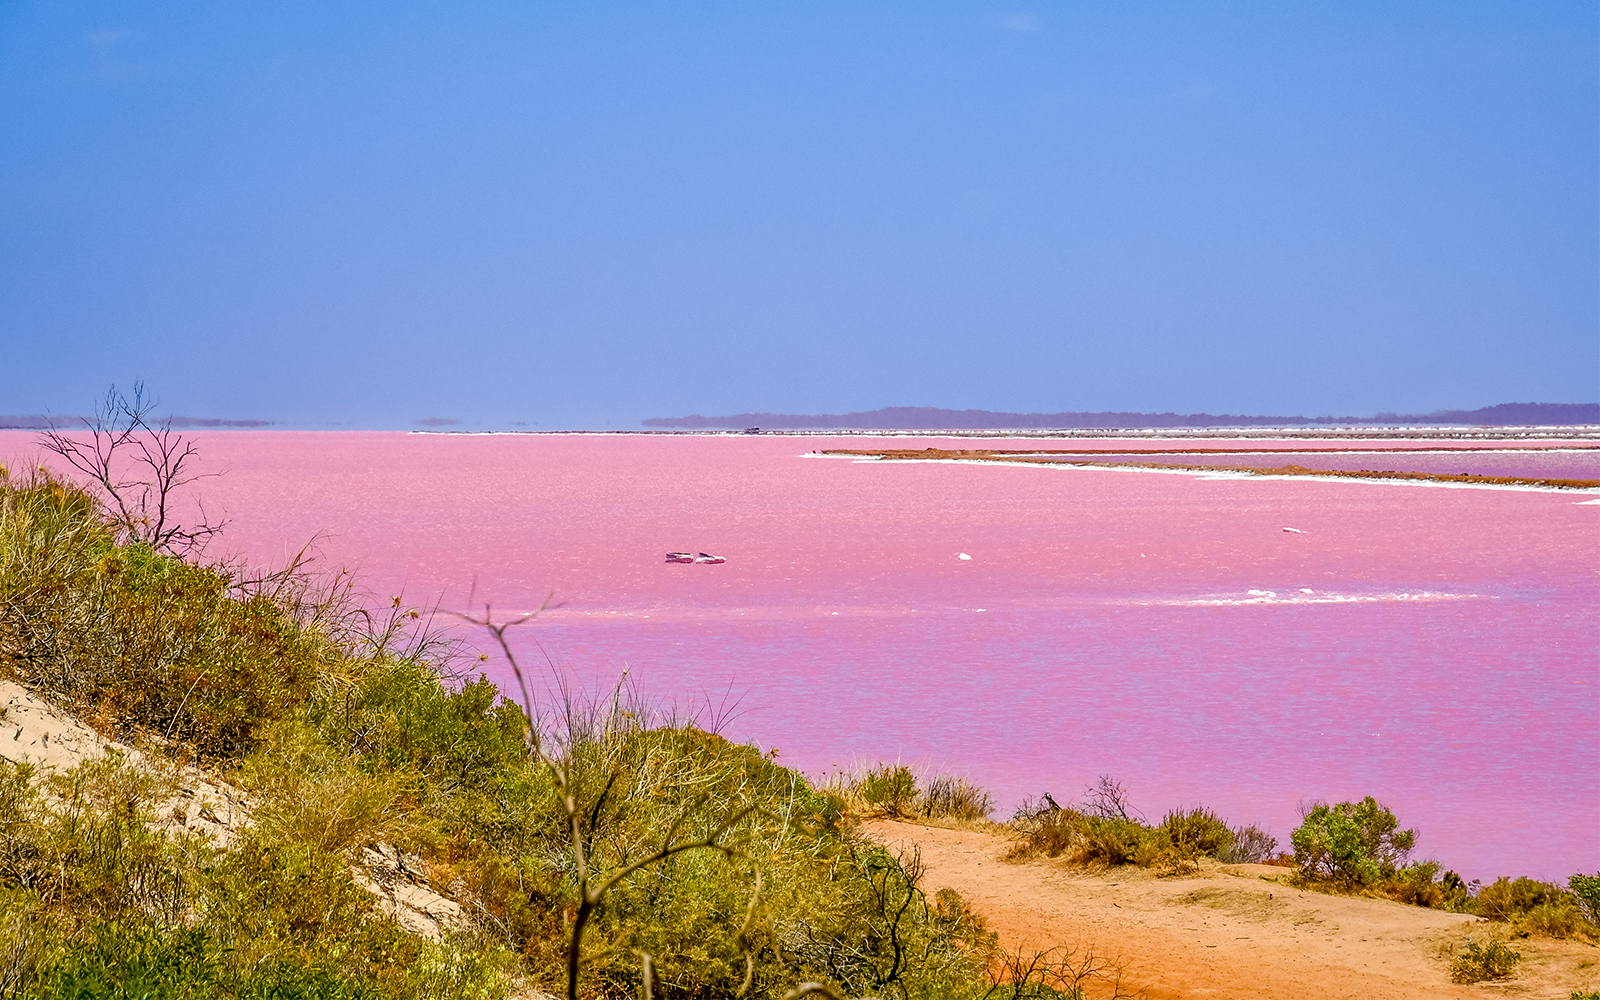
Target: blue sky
(582, 215)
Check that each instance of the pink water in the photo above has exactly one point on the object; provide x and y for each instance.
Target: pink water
(1153, 626)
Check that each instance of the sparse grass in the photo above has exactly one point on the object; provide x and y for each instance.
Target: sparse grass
(895, 791)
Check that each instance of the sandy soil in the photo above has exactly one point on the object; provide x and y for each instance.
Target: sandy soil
(1229, 932)
(34, 732)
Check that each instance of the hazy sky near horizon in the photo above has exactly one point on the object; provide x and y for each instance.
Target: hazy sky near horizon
(585, 214)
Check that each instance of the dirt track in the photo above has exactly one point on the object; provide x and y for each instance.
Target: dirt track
(1231, 931)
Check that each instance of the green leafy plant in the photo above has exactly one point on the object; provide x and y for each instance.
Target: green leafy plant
(1586, 890)
(1351, 843)
(889, 788)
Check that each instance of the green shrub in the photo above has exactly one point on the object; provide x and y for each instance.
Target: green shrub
(117, 961)
(1506, 899)
(1586, 890)
(1116, 841)
(1422, 884)
(1197, 831)
(891, 789)
(1480, 963)
(1352, 843)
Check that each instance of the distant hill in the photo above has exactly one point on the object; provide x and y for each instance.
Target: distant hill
(41, 422)
(934, 418)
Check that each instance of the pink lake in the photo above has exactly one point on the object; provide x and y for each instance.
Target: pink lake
(1437, 647)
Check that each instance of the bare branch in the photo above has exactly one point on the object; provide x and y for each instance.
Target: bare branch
(136, 469)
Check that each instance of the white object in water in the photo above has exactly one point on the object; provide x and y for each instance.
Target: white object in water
(962, 555)
(1306, 590)
(1297, 531)
(710, 560)
(680, 557)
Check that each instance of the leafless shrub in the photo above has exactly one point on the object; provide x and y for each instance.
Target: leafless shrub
(137, 467)
(1065, 973)
(1108, 799)
(1251, 846)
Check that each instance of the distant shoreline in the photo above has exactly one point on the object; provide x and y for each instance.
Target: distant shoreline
(1084, 459)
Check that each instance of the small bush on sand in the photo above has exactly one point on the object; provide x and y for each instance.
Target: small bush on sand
(1483, 962)
(1251, 845)
(1116, 841)
(890, 789)
(1045, 828)
(1197, 831)
(1534, 907)
(1421, 884)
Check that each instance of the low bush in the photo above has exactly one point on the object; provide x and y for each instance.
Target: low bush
(890, 789)
(1250, 846)
(1533, 907)
(1506, 898)
(1044, 828)
(1196, 832)
(1422, 883)
(1586, 890)
(1483, 962)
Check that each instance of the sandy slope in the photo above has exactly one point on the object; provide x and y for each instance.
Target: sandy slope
(34, 732)
(1229, 932)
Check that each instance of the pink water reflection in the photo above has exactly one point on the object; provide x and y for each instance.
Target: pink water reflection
(1445, 658)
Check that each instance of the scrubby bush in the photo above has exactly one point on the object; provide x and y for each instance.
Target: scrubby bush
(1586, 890)
(1101, 833)
(1422, 883)
(1483, 962)
(1116, 841)
(1534, 907)
(1352, 843)
(890, 789)
(1251, 846)
(1043, 828)
(1196, 831)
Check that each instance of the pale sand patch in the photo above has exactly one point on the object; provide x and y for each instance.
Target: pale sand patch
(1232, 931)
(37, 733)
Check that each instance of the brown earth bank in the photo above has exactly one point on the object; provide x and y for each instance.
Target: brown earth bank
(1039, 457)
(1230, 932)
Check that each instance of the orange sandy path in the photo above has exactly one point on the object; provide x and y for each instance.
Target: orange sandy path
(1228, 932)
